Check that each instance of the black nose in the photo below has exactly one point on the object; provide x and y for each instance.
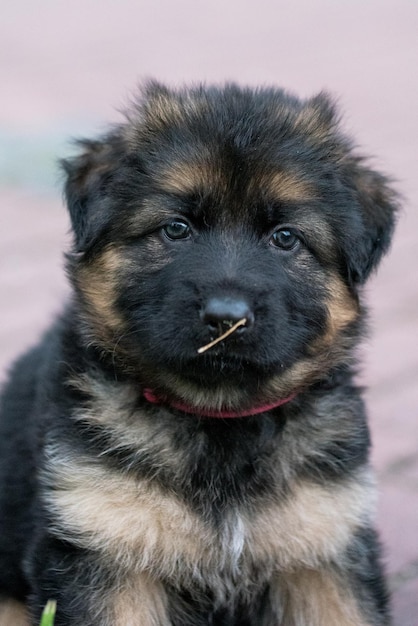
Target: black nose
(222, 312)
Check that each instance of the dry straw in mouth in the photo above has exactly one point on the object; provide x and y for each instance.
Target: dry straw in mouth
(226, 334)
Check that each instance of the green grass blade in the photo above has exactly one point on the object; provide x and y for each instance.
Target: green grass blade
(48, 614)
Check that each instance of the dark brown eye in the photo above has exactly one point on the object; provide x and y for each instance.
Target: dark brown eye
(284, 238)
(177, 230)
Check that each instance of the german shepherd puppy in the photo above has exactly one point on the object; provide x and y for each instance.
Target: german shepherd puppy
(186, 446)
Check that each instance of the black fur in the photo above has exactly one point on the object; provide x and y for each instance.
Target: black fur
(234, 166)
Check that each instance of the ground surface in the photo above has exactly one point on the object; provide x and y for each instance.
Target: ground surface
(65, 68)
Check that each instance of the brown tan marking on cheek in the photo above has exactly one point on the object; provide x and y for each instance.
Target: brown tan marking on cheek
(342, 310)
(13, 613)
(306, 371)
(298, 376)
(327, 350)
(98, 283)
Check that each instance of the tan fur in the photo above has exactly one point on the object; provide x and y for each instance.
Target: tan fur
(13, 613)
(185, 177)
(140, 600)
(294, 378)
(287, 187)
(98, 281)
(317, 598)
(163, 110)
(141, 528)
(304, 372)
(327, 350)
(343, 309)
(111, 402)
(160, 110)
(156, 113)
(311, 122)
(314, 524)
(114, 406)
(225, 397)
(129, 520)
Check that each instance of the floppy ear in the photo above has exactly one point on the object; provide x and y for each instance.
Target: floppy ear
(378, 204)
(88, 177)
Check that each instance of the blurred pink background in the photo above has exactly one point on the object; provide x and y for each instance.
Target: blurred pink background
(67, 68)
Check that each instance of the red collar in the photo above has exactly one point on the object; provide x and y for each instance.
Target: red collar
(150, 396)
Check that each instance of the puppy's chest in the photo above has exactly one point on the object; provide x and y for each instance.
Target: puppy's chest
(139, 526)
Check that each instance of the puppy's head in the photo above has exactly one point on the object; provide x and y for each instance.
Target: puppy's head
(215, 205)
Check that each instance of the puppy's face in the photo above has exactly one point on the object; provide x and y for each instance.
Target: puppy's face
(214, 206)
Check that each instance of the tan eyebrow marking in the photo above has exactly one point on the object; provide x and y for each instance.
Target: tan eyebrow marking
(288, 187)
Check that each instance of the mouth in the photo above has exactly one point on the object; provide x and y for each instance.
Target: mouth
(219, 367)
